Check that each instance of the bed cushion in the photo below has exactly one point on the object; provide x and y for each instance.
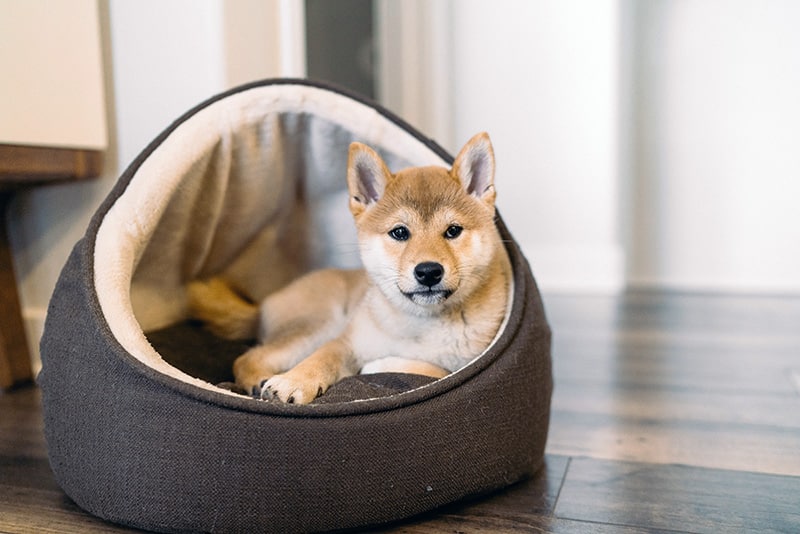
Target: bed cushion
(250, 186)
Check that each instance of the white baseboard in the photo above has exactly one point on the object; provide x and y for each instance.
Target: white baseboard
(33, 319)
(736, 286)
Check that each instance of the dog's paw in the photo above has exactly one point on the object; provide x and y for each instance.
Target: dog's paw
(251, 384)
(291, 391)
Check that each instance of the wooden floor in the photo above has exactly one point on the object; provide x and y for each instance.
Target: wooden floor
(671, 413)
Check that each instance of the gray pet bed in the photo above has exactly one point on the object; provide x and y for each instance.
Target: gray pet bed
(251, 185)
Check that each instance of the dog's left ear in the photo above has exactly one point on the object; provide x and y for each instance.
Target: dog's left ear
(474, 167)
(367, 175)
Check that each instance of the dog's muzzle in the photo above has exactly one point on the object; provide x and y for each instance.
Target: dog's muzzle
(429, 291)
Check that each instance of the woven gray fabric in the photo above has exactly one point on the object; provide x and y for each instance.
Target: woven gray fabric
(135, 446)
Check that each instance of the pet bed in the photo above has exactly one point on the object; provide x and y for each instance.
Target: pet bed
(250, 185)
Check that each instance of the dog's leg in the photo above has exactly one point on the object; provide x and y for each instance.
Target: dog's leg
(296, 321)
(261, 362)
(314, 375)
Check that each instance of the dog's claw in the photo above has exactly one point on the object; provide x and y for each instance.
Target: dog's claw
(285, 389)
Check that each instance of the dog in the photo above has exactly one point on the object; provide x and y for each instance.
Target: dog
(431, 296)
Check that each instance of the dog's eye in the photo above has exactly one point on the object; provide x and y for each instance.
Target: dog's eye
(453, 231)
(399, 233)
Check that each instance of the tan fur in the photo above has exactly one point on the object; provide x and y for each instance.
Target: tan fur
(331, 324)
(223, 311)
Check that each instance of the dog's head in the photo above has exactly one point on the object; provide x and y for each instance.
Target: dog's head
(427, 234)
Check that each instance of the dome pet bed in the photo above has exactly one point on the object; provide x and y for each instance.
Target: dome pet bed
(251, 185)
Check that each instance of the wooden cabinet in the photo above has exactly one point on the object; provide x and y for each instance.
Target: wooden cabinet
(52, 127)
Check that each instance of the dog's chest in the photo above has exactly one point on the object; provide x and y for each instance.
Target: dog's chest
(449, 342)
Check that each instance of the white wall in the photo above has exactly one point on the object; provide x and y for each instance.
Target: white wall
(716, 145)
(414, 67)
(542, 78)
(638, 143)
(161, 58)
(170, 55)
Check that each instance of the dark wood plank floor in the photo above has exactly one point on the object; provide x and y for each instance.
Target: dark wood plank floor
(672, 413)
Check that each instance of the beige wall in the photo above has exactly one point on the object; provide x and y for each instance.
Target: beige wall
(51, 91)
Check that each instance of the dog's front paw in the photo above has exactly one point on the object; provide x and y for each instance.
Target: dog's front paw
(290, 390)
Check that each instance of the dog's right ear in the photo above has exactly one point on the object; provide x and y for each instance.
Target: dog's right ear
(367, 175)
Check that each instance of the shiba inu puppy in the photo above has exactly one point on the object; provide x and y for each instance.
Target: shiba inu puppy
(431, 296)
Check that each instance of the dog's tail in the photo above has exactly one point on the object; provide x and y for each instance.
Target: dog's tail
(222, 310)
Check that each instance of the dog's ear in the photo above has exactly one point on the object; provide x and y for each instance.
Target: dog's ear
(367, 175)
(474, 168)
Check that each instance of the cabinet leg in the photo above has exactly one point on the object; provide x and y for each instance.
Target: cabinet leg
(15, 361)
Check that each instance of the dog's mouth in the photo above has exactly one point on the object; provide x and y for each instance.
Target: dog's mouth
(428, 296)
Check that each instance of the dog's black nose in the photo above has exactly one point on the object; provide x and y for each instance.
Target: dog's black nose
(429, 273)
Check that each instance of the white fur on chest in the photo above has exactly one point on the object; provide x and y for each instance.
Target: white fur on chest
(448, 341)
